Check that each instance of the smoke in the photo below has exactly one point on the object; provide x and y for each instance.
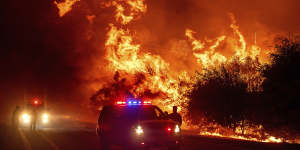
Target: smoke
(121, 88)
(258, 21)
(65, 55)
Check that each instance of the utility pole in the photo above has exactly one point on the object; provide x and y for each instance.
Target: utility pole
(254, 38)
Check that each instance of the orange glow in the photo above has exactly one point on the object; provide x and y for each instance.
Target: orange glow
(207, 55)
(270, 139)
(136, 8)
(126, 56)
(65, 7)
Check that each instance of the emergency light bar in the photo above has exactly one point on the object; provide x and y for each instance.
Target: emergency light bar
(133, 102)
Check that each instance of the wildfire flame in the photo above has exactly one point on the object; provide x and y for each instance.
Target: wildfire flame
(65, 7)
(126, 58)
(209, 57)
(124, 55)
(253, 133)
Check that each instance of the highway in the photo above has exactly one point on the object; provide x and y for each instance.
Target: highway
(84, 138)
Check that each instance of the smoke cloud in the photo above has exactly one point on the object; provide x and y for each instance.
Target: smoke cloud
(65, 55)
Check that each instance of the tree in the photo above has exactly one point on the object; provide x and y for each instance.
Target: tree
(220, 95)
(282, 86)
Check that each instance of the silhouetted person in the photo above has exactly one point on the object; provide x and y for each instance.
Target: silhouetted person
(34, 118)
(15, 117)
(175, 116)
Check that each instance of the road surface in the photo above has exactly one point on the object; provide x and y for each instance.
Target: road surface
(83, 138)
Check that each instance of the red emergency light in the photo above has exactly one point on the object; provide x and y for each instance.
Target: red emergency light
(133, 102)
(36, 102)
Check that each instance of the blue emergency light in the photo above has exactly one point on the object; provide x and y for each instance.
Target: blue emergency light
(133, 102)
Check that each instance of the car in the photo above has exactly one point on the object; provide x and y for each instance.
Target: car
(34, 108)
(136, 124)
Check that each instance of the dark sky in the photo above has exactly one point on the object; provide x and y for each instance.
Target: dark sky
(39, 52)
(65, 56)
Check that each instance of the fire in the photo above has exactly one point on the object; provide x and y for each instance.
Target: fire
(270, 139)
(252, 133)
(123, 16)
(197, 45)
(65, 7)
(207, 56)
(125, 58)
(240, 50)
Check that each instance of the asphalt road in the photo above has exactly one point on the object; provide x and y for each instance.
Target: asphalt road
(83, 138)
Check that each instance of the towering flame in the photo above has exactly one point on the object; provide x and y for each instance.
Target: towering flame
(126, 59)
(208, 57)
(65, 7)
(125, 56)
(205, 51)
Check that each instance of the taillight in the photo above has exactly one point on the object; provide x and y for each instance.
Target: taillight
(169, 129)
(176, 129)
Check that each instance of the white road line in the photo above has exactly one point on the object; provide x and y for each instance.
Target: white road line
(25, 140)
(52, 144)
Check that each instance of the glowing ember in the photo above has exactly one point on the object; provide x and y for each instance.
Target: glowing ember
(65, 7)
(271, 139)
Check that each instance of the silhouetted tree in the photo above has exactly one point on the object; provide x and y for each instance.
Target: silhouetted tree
(220, 95)
(263, 95)
(282, 87)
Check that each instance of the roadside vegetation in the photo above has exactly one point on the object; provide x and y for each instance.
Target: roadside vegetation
(240, 96)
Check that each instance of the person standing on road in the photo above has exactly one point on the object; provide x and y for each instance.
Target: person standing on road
(15, 117)
(34, 118)
(176, 116)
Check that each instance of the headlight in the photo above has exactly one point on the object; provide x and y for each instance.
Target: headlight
(25, 118)
(177, 129)
(45, 118)
(139, 130)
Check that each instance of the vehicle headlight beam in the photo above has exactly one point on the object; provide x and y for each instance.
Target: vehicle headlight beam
(177, 129)
(139, 130)
(45, 118)
(26, 118)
